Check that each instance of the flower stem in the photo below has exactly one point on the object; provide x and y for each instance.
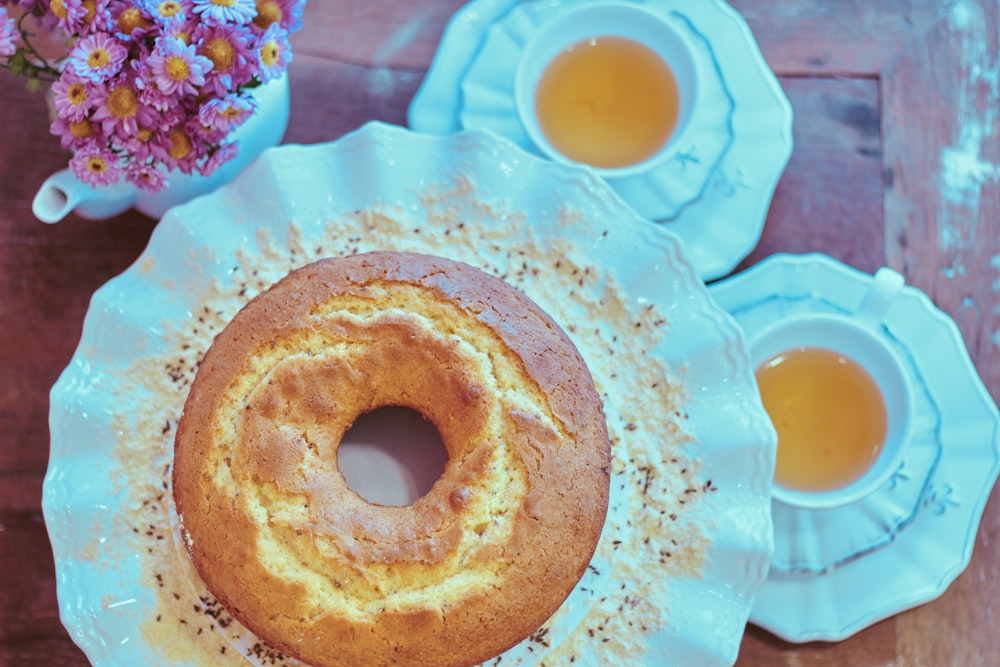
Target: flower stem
(28, 61)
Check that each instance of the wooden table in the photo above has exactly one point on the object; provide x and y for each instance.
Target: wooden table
(897, 147)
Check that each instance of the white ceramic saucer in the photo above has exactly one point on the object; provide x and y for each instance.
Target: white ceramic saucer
(723, 221)
(835, 572)
(660, 193)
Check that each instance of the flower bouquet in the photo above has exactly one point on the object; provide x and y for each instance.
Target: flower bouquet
(144, 87)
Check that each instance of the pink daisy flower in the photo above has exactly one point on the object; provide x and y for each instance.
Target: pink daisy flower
(97, 57)
(176, 149)
(238, 12)
(228, 47)
(146, 177)
(140, 146)
(167, 11)
(177, 68)
(69, 14)
(73, 96)
(129, 21)
(77, 17)
(120, 111)
(75, 135)
(286, 13)
(274, 53)
(150, 94)
(96, 166)
(219, 157)
(226, 114)
(8, 31)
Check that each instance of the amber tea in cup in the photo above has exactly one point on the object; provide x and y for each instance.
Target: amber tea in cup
(612, 86)
(829, 415)
(839, 398)
(607, 101)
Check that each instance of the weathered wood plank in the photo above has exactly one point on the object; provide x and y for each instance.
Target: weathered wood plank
(943, 206)
(30, 630)
(830, 197)
(332, 99)
(398, 35)
(846, 38)
(942, 215)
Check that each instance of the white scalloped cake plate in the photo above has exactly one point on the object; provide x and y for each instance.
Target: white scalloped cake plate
(723, 224)
(836, 572)
(473, 197)
(658, 194)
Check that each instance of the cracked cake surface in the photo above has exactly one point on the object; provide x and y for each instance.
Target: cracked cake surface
(467, 570)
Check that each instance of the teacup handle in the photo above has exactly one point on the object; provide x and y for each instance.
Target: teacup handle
(884, 288)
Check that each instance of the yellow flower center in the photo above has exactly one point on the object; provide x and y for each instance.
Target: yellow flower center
(81, 129)
(98, 58)
(58, 8)
(178, 69)
(268, 12)
(145, 134)
(96, 164)
(77, 94)
(231, 112)
(180, 144)
(130, 19)
(169, 8)
(91, 7)
(221, 53)
(223, 3)
(123, 102)
(270, 53)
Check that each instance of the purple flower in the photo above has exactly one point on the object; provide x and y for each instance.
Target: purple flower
(226, 114)
(274, 53)
(219, 157)
(77, 17)
(146, 177)
(140, 146)
(120, 111)
(150, 86)
(218, 12)
(167, 11)
(77, 134)
(177, 68)
(286, 13)
(69, 13)
(73, 96)
(8, 30)
(97, 57)
(96, 166)
(228, 47)
(130, 21)
(175, 149)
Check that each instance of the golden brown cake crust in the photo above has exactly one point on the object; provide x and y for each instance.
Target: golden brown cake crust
(468, 570)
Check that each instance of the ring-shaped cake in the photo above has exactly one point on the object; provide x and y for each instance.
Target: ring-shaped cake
(470, 568)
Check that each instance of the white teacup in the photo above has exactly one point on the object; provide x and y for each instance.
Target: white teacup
(858, 338)
(601, 20)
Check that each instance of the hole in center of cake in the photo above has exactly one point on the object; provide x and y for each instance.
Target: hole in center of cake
(392, 456)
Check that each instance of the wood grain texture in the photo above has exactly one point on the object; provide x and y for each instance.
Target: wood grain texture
(896, 162)
(854, 38)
